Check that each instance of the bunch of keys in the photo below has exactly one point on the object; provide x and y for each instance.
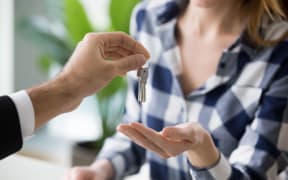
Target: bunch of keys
(142, 75)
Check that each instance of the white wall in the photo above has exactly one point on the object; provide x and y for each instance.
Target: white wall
(6, 46)
(26, 71)
(18, 56)
(97, 11)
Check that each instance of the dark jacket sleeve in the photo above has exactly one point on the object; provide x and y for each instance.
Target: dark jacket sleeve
(10, 132)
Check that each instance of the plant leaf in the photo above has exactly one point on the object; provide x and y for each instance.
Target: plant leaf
(55, 10)
(113, 87)
(111, 102)
(120, 13)
(45, 62)
(49, 40)
(76, 20)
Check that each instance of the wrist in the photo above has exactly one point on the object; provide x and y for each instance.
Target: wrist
(104, 167)
(66, 91)
(68, 88)
(52, 99)
(205, 154)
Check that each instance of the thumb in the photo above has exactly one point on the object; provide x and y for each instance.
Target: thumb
(183, 132)
(129, 63)
(177, 133)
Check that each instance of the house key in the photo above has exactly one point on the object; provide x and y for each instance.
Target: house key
(142, 79)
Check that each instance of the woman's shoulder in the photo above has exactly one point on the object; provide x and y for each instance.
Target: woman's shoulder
(149, 15)
(141, 17)
(275, 30)
(154, 4)
(278, 52)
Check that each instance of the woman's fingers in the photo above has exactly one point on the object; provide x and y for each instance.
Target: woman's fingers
(150, 134)
(170, 146)
(151, 137)
(191, 132)
(141, 140)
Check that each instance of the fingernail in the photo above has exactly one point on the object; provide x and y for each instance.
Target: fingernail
(118, 128)
(141, 57)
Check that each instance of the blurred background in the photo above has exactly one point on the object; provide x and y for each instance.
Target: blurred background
(37, 37)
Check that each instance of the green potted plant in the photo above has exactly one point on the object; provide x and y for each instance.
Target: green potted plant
(58, 34)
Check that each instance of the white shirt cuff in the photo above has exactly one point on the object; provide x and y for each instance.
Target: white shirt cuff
(222, 170)
(25, 111)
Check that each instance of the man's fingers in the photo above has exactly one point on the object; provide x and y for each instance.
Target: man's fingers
(129, 63)
(123, 52)
(113, 55)
(122, 40)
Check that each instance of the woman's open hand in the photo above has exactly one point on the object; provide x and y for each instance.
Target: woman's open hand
(190, 138)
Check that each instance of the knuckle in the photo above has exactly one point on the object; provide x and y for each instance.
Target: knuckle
(121, 33)
(134, 63)
(134, 45)
(76, 172)
(90, 37)
(172, 153)
(168, 131)
(165, 156)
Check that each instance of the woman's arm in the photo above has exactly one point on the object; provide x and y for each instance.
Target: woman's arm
(261, 150)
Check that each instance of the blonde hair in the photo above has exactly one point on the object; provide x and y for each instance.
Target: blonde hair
(258, 10)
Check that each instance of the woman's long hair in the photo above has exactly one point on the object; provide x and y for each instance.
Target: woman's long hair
(258, 10)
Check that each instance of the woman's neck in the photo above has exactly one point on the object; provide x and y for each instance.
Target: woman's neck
(208, 22)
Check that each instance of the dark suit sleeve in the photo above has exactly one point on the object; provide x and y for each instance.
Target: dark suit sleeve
(10, 132)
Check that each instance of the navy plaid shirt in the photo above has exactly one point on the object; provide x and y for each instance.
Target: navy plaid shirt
(244, 105)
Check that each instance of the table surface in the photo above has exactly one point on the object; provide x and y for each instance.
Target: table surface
(18, 167)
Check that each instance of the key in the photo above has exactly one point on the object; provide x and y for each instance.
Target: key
(142, 79)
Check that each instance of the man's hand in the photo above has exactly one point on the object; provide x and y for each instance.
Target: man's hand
(100, 170)
(97, 59)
